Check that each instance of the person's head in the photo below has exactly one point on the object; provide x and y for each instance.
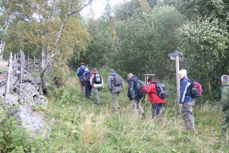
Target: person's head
(130, 75)
(112, 71)
(95, 70)
(150, 78)
(182, 73)
(224, 79)
(82, 63)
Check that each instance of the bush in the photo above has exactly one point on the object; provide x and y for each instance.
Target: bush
(13, 137)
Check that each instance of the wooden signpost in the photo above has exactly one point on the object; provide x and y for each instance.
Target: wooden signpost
(175, 56)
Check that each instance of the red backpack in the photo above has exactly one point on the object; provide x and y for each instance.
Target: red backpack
(196, 89)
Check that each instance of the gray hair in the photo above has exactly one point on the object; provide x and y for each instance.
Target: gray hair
(224, 78)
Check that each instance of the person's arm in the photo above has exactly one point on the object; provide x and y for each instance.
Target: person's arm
(131, 92)
(225, 98)
(109, 82)
(147, 88)
(91, 79)
(77, 71)
(183, 91)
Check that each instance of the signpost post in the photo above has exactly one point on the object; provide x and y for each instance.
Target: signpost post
(175, 56)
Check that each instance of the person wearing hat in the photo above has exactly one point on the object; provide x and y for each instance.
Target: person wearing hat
(186, 102)
(79, 72)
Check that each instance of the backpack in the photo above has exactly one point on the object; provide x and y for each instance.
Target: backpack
(97, 79)
(195, 89)
(161, 90)
(117, 81)
(138, 89)
(81, 71)
(86, 75)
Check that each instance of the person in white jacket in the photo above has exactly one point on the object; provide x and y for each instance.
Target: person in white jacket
(97, 83)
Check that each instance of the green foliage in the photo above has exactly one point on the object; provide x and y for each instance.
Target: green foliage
(14, 138)
(144, 42)
(204, 43)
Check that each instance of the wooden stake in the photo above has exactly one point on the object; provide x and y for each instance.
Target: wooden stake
(7, 89)
(22, 61)
(178, 80)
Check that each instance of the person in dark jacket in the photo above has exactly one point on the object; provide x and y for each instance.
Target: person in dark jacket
(225, 107)
(87, 84)
(132, 94)
(79, 72)
(186, 102)
(154, 99)
(115, 88)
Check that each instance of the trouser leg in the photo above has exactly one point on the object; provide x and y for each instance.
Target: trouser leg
(139, 107)
(224, 127)
(115, 101)
(88, 91)
(156, 110)
(134, 105)
(188, 116)
(82, 86)
(96, 95)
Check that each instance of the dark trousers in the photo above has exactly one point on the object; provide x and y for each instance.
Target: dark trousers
(88, 89)
(156, 109)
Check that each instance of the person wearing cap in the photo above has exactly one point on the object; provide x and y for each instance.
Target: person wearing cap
(115, 86)
(79, 72)
(97, 83)
(225, 107)
(186, 102)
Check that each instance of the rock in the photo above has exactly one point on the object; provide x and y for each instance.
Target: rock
(21, 104)
(10, 99)
(33, 121)
(29, 93)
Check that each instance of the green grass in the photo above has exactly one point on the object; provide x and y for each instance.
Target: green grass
(80, 126)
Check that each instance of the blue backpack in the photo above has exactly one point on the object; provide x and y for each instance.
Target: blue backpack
(80, 71)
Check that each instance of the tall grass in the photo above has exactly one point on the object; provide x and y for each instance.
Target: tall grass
(78, 125)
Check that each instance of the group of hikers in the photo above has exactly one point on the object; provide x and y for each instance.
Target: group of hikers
(92, 82)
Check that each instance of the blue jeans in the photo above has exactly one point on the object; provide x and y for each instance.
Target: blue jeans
(88, 90)
(156, 108)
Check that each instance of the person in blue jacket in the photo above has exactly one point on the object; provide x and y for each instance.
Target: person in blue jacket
(186, 102)
(79, 72)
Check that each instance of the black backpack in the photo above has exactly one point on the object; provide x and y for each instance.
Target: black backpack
(161, 90)
(117, 81)
(138, 89)
(97, 78)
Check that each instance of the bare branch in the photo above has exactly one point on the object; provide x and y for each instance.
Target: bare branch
(77, 11)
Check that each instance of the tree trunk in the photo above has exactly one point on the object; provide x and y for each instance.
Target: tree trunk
(42, 76)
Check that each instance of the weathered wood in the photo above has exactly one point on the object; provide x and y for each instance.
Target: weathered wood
(7, 88)
(177, 78)
(34, 62)
(22, 64)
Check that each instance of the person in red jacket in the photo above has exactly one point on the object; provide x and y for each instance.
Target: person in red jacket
(154, 99)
